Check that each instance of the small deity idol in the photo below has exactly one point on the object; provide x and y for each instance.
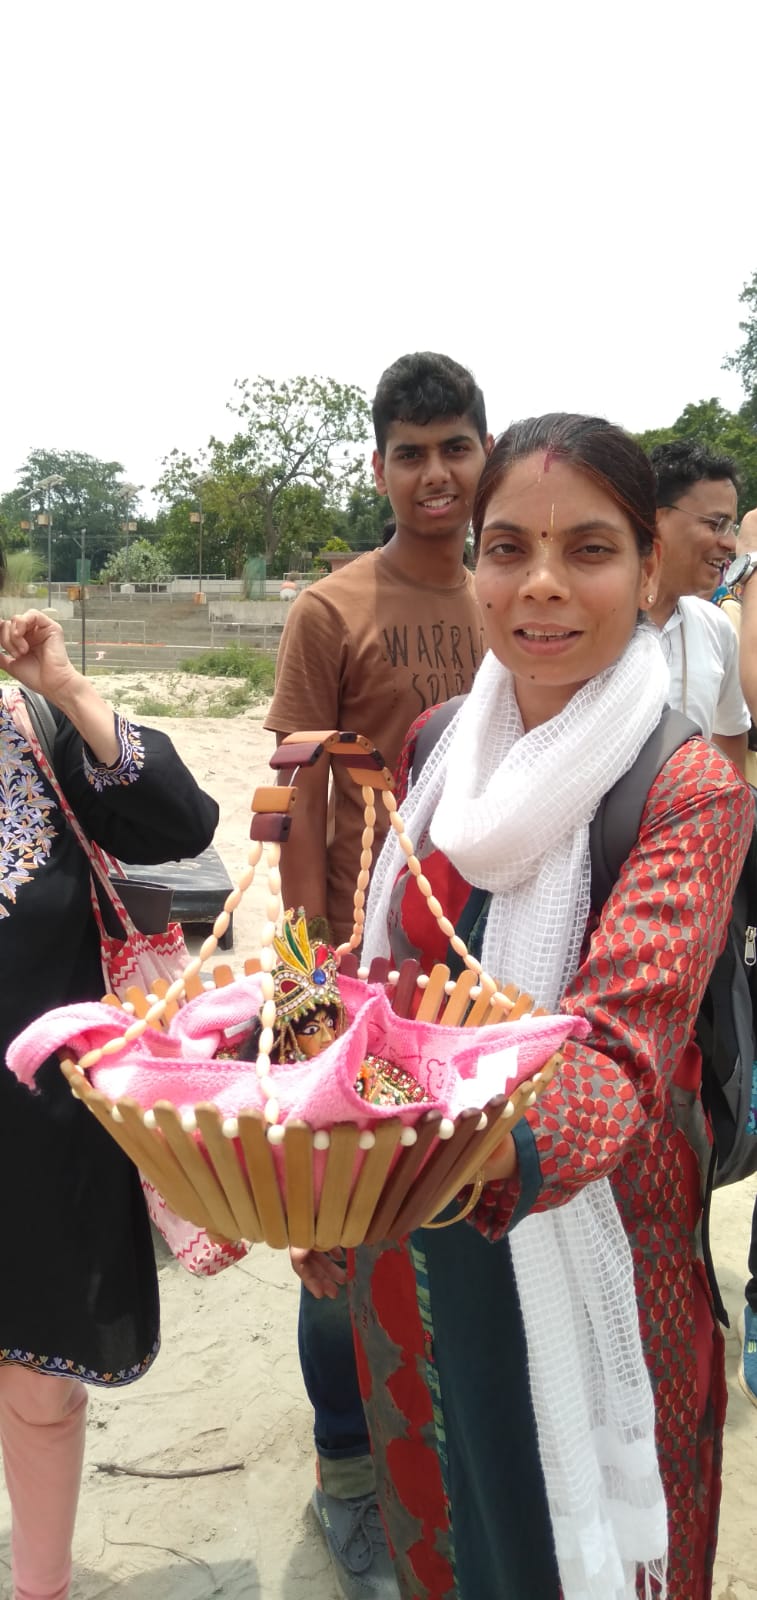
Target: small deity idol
(310, 1016)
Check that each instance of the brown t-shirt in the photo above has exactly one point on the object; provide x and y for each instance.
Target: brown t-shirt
(366, 651)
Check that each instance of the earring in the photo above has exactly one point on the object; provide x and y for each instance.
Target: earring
(650, 599)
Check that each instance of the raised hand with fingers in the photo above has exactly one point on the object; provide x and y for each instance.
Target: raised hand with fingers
(33, 651)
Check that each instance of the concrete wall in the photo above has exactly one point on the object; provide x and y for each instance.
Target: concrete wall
(211, 586)
(249, 613)
(10, 604)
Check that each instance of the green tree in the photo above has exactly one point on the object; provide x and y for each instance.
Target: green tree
(305, 521)
(724, 432)
(12, 514)
(143, 562)
(224, 547)
(296, 434)
(90, 496)
(744, 361)
(232, 520)
(365, 517)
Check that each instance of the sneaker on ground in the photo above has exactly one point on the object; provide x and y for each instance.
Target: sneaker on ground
(748, 1362)
(356, 1541)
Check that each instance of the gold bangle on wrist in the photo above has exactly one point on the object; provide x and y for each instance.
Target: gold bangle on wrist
(470, 1205)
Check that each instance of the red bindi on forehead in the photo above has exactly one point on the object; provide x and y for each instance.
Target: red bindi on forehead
(544, 534)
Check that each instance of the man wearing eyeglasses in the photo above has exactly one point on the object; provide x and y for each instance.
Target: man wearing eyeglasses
(741, 607)
(697, 496)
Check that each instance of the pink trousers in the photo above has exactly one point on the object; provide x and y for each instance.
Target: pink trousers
(42, 1424)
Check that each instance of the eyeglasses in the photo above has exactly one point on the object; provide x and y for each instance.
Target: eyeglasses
(721, 526)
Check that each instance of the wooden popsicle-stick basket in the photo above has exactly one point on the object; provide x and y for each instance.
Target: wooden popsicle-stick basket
(256, 1178)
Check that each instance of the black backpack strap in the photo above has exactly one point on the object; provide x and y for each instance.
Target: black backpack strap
(616, 822)
(42, 721)
(432, 731)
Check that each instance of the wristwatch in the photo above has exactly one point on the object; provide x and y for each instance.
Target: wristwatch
(740, 571)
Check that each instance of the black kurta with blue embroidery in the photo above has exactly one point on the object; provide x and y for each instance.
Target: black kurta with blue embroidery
(79, 1289)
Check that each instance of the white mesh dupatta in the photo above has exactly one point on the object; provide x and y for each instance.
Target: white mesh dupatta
(512, 812)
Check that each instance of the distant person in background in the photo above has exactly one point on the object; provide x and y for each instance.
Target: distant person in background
(740, 606)
(697, 494)
(731, 599)
(396, 631)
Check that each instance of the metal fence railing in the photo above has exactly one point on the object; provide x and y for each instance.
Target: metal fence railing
(258, 635)
(148, 655)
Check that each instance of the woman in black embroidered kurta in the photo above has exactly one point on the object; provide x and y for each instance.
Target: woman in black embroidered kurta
(79, 1282)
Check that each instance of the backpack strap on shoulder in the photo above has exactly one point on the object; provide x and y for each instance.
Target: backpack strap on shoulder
(432, 731)
(616, 822)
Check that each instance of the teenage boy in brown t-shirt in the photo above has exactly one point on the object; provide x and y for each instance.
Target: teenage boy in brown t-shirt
(368, 649)
(395, 631)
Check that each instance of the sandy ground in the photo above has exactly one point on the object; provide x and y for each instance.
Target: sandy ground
(226, 1391)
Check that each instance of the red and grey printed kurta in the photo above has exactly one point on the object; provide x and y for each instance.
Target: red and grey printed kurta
(626, 1106)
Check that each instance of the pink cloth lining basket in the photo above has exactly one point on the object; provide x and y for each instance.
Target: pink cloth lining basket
(317, 1165)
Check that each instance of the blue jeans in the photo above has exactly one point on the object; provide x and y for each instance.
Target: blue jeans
(329, 1370)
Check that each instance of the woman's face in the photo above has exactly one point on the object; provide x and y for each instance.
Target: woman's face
(316, 1033)
(559, 580)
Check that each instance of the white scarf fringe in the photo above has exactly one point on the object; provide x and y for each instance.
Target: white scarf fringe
(511, 811)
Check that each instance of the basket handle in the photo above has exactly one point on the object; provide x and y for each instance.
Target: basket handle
(272, 821)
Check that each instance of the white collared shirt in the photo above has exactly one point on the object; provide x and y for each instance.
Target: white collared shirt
(701, 647)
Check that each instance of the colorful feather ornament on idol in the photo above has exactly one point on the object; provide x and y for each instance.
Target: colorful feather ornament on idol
(375, 1136)
(303, 974)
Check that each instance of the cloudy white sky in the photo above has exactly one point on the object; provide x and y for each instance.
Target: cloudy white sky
(563, 196)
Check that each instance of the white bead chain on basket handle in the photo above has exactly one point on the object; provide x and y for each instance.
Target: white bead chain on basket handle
(272, 806)
(414, 866)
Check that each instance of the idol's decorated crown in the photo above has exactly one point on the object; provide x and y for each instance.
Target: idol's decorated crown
(305, 976)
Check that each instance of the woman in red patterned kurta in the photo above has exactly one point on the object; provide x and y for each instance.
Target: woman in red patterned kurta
(639, 984)
(564, 522)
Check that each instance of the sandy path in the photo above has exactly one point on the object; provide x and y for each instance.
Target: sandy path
(227, 1387)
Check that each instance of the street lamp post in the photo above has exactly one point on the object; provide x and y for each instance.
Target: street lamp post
(82, 544)
(26, 524)
(44, 520)
(128, 527)
(83, 601)
(197, 518)
(82, 592)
